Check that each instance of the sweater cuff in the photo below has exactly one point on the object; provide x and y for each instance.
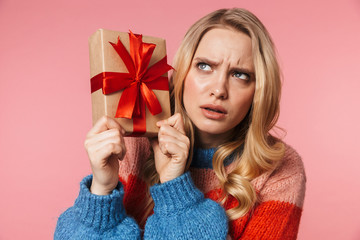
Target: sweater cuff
(175, 195)
(99, 212)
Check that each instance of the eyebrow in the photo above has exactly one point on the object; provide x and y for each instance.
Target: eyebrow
(214, 63)
(206, 60)
(244, 70)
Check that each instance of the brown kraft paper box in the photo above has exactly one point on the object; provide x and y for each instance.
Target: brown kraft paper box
(103, 58)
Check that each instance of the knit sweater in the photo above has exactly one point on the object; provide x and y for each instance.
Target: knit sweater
(186, 207)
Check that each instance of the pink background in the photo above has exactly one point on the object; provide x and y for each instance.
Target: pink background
(46, 110)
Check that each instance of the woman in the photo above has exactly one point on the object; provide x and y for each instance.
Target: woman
(226, 95)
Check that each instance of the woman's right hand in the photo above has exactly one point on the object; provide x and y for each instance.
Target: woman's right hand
(105, 146)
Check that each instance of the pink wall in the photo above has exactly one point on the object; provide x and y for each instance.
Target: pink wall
(46, 111)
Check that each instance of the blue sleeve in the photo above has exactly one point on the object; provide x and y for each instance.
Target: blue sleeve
(182, 212)
(97, 217)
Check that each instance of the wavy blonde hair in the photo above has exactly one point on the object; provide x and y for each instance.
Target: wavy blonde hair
(254, 148)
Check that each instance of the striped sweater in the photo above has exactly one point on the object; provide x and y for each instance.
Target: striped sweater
(276, 216)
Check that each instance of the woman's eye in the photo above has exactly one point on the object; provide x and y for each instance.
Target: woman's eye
(204, 66)
(241, 75)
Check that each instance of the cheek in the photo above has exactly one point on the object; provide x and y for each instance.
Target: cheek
(248, 98)
(243, 103)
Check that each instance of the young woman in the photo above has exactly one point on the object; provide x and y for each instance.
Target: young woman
(215, 171)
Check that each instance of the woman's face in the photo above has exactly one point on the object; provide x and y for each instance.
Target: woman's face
(220, 84)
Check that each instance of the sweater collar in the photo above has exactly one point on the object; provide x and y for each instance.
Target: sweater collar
(202, 158)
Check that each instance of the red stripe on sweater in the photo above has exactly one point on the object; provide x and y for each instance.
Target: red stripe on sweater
(273, 220)
(134, 197)
(269, 220)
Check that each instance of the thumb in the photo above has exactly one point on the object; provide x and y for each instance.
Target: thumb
(158, 149)
(121, 155)
(155, 144)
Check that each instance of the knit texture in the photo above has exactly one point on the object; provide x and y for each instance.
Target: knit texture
(186, 208)
(97, 217)
(182, 212)
(280, 192)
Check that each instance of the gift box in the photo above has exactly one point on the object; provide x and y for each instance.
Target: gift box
(129, 80)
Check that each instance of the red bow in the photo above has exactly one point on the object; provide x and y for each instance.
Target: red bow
(137, 84)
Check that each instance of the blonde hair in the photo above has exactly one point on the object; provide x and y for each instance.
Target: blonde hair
(256, 150)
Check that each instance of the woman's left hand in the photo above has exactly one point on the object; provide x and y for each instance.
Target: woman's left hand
(171, 149)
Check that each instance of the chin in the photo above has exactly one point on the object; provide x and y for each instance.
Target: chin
(212, 130)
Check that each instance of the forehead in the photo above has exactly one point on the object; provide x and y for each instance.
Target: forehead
(226, 44)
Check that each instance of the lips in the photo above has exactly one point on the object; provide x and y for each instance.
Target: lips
(214, 108)
(213, 112)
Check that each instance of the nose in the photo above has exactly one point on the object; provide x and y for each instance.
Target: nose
(219, 88)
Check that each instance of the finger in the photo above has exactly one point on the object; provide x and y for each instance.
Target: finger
(103, 124)
(158, 154)
(101, 138)
(171, 131)
(177, 154)
(163, 149)
(105, 148)
(175, 121)
(182, 145)
(119, 141)
(111, 150)
(155, 144)
(172, 120)
(94, 139)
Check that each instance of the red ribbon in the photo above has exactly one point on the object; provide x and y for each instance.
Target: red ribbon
(137, 84)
